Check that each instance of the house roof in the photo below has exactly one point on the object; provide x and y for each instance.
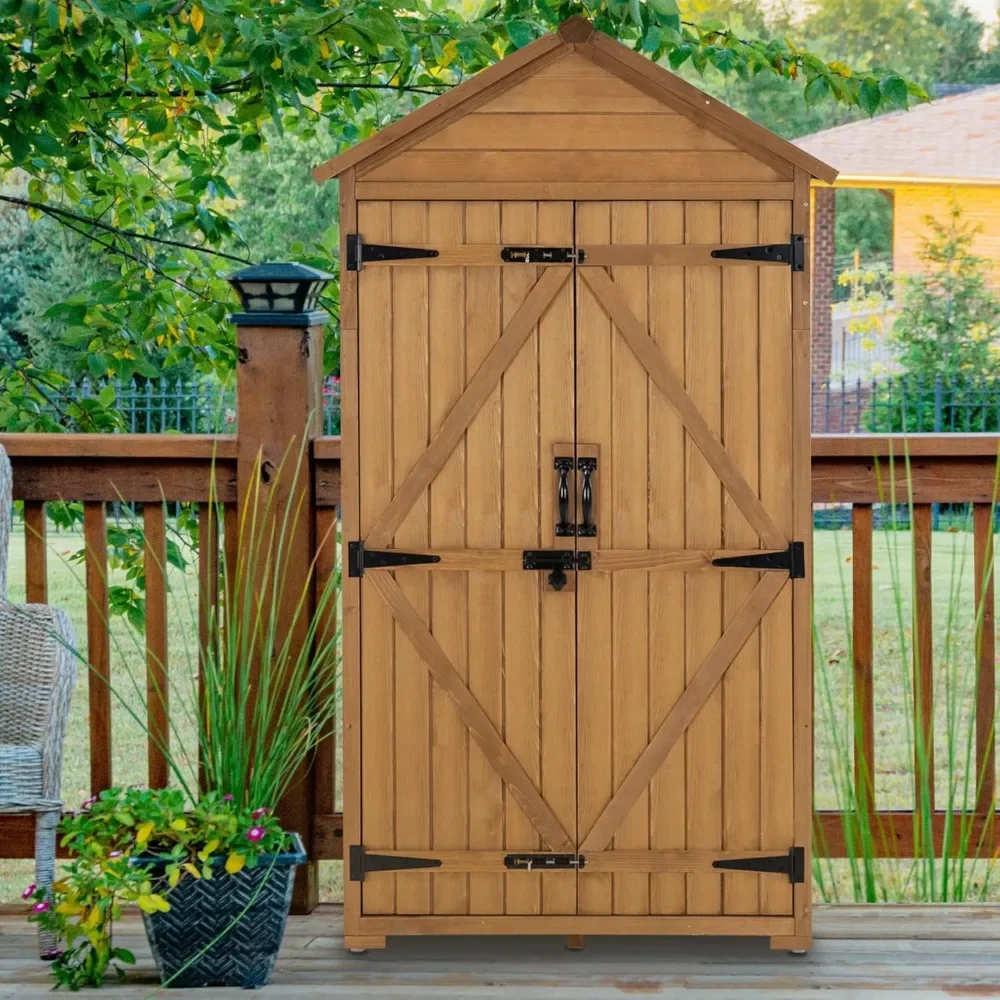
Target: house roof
(580, 36)
(956, 138)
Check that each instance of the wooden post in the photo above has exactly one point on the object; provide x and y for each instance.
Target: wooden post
(279, 400)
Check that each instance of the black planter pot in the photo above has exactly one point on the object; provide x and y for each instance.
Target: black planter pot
(202, 909)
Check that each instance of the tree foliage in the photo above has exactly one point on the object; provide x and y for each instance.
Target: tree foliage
(127, 121)
(948, 321)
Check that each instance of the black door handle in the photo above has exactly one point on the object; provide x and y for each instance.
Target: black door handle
(587, 528)
(564, 526)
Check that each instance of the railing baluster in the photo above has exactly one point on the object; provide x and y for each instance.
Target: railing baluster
(326, 565)
(208, 604)
(985, 657)
(36, 587)
(98, 645)
(923, 658)
(864, 679)
(157, 681)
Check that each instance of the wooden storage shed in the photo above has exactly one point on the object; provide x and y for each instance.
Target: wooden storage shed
(577, 656)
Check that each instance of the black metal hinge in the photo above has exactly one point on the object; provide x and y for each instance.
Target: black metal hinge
(359, 252)
(362, 862)
(793, 253)
(792, 864)
(557, 562)
(545, 862)
(359, 558)
(542, 255)
(792, 559)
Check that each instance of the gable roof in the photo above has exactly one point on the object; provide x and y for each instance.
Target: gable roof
(577, 35)
(950, 139)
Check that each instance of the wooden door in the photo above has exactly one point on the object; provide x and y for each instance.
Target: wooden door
(684, 386)
(467, 673)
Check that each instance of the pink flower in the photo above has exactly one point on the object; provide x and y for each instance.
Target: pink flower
(227, 797)
(42, 907)
(255, 833)
(29, 892)
(115, 854)
(258, 813)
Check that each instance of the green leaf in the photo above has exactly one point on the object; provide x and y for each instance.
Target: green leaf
(106, 398)
(520, 33)
(679, 55)
(869, 97)
(894, 90)
(817, 89)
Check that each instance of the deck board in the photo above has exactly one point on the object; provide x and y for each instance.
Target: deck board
(920, 952)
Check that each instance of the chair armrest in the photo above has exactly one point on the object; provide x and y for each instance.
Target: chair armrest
(37, 671)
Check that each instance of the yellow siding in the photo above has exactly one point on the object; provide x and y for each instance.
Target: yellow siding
(913, 204)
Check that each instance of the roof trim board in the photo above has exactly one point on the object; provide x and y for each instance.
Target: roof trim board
(577, 35)
(898, 180)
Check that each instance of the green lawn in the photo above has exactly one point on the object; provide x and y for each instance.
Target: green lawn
(953, 630)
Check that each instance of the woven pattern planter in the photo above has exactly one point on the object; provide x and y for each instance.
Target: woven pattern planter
(202, 909)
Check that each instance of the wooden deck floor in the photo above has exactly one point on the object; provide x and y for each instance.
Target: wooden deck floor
(898, 951)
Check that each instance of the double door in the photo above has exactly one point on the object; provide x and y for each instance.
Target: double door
(576, 562)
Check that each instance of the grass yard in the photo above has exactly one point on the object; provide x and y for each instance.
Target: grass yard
(954, 629)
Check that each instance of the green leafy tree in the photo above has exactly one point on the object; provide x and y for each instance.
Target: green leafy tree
(946, 333)
(128, 118)
(949, 318)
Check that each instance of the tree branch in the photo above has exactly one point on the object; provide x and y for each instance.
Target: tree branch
(62, 213)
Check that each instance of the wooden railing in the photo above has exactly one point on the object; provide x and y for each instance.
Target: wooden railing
(100, 469)
(921, 470)
(153, 470)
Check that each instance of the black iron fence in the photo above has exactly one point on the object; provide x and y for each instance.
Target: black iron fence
(190, 406)
(907, 404)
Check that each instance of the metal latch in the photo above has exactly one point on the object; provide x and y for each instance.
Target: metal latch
(557, 562)
(545, 862)
(542, 255)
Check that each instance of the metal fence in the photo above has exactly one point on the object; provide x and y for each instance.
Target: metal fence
(191, 406)
(906, 403)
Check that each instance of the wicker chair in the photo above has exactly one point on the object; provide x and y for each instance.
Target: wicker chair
(37, 669)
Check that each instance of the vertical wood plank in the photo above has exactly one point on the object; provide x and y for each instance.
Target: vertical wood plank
(666, 530)
(325, 757)
(594, 625)
(157, 679)
(351, 531)
(374, 380)
(862, 641)
(557, 683)
(923, 660)
(741, 685)
(485, 596)
(208, 608)
(624, 457)
(777, 808)
(802, 521)
(449, 592)
(703, 505)
(410, 416)
(95, 540)
(522, 591)
(36, 587)
(985, 657)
